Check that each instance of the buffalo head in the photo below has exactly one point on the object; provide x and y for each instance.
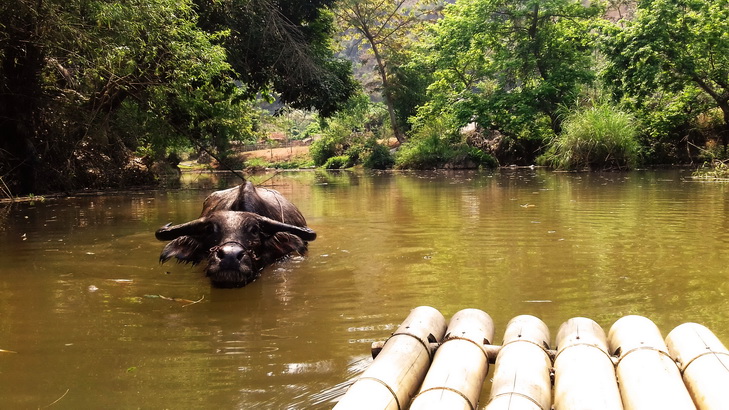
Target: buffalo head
(236, 244)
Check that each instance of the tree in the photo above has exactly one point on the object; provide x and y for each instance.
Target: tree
(68, 69)
(282, 47)
(511, 66)
(384, 26)
(675, 51)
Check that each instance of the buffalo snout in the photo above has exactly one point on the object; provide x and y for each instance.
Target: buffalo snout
(230, 265)
(230, 256)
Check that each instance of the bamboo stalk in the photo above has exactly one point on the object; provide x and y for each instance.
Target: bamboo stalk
(648, 377)
(584, 375)
(521, 379)
(704, 363)
(394, 376)
(460, 365)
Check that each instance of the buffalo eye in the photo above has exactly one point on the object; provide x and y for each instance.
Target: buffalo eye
(254, 230)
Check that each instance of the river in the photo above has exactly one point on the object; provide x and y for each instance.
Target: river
(90, 319)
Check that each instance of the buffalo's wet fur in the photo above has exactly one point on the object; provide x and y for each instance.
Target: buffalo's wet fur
(240, 231)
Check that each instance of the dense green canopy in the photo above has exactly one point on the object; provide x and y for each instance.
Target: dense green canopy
(96, 93)
(85, 83)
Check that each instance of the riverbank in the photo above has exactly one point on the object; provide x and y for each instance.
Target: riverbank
(279, 158)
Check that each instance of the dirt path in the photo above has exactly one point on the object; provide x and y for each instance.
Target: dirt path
(277, 154)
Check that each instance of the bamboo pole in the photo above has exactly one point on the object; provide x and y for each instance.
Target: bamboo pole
(394, 376)
(460, 365)
(704, 363)
(648, 377)
(521, 379)
(584, 375)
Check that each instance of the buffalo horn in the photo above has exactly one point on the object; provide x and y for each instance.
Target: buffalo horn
(168, 233)
(272, 226)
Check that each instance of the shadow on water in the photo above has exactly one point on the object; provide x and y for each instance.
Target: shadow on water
(89, 310)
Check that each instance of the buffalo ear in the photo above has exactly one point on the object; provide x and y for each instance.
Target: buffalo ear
(270, 226)
(185, 249)
(280, 245)
(192, 228)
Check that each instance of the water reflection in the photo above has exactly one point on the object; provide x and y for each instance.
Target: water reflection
(89, 310)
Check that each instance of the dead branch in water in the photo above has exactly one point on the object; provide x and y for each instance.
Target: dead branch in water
(187, 302)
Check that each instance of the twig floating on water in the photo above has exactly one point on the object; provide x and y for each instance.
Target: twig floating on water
(7, 351)
(187, 302)
(195, 301)
(58, 399)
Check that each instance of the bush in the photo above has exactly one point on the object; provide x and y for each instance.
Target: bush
(436, 144)
(424, 153)
(351, 131)
(338, 162)
(323, 149)
(599, 137)
(479, 157)
(378, 156)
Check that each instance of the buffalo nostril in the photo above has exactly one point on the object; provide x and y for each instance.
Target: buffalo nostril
(239, 256)
(220, 253)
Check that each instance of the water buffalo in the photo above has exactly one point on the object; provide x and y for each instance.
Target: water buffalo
(240, 231)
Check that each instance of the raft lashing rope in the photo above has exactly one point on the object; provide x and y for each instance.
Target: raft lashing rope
(428, 364)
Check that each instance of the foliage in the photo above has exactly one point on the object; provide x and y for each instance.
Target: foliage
(83, 84)
(599, 137)
(282, 46)
(432, 152)
(86, 84)
(714, 170)
(383, 27)
(353, 132)
(480, 158)
(377, 156)
(338, 162)
(510, 65)
(293, 163)
(671, 63)
(425, 153)
(435, 145)
(323, 149)
(296, 124)
(409, 81)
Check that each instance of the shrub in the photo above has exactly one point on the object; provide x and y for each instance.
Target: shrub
(323, 149)
(423, 153)
(338, 162)
(377, 156)
(350, 131)
(599, 137)
(479, 157)
(437, 143)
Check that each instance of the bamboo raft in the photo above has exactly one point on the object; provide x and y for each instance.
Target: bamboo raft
(427, 364)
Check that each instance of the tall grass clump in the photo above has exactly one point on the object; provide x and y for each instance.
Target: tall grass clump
(600, 137)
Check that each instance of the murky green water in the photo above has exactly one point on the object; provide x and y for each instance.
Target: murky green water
(80, 284)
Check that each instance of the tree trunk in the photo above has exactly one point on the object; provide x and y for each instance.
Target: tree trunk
(725, 129)
(386, 91)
